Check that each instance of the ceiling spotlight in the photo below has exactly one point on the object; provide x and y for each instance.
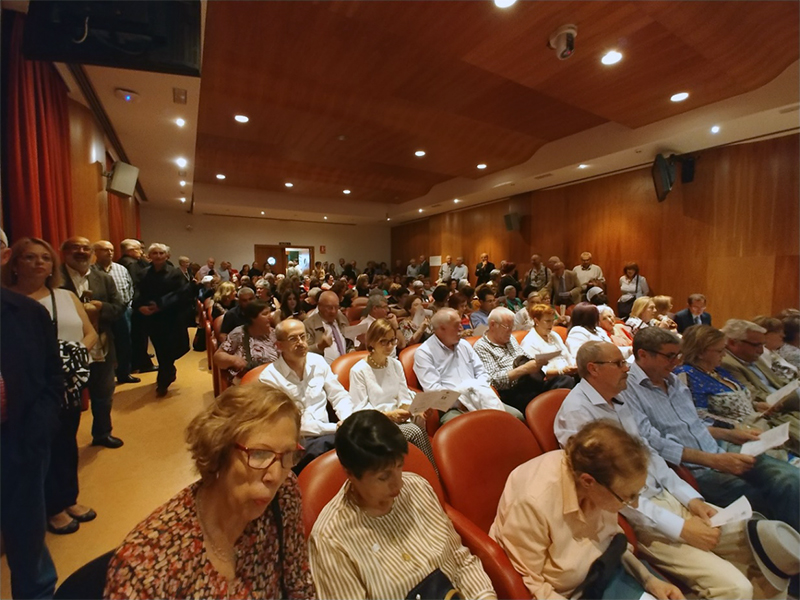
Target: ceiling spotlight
(481, 166)
(345, 191)
(287, 184)
(456, 201)
(680, 97)
(419, 153)
(180, 122)
(220, 176)
(715, 129)
(388, 219)
(181, 162)
(241, 118)
(504, 3)
(183, 183)
(183, 200)
(420, 210)
(583, 166)
(611, 58)
(326, 218)
(262, 212)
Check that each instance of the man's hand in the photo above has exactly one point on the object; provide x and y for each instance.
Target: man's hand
(531, 367)
(662, 590)
(699, 534)
(325, 341)
(735, 464)
(148, 309)
(398, 416)
(700, 509)
(392, 318)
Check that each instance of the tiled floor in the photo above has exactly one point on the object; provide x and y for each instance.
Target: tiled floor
(126, 484)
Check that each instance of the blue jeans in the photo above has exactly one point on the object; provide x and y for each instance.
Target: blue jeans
(772, 486)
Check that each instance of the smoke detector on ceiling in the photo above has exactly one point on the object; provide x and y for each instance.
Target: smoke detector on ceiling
(126, 95)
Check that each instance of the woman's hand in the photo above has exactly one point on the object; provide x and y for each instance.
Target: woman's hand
(238, 363)
(662, 590)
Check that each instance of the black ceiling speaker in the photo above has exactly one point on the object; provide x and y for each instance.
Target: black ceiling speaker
(687, 169)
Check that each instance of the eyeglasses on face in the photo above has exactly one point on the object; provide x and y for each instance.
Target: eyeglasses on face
(620, 363)
(671, 356)
(627, 502)
(504, 326)
(262, 459)
(753, 344)
(390, 342)
(297, 338)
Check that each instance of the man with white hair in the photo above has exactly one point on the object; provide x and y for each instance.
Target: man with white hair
(446, 270)
(206, 269)
(412, 270)
(589, 273)
(447, 362)
(162, 297)
(133, 259)
(460, 271)
(325, 329)
(517, 377)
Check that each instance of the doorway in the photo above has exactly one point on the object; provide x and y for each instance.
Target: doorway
(279, 256)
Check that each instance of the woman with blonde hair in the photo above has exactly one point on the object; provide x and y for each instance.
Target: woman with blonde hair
(224, 299)
(238, 531)
(643, 314)
(663, 306)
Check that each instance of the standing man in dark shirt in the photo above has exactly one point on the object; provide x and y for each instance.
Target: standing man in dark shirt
(483, 270)
(162, 298)
(133, 260)
(31, 388)
(234, 317)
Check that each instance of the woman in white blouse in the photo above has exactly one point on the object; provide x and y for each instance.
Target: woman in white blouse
(384, 532)
(585, 328)
(643, 314)
(542, 340)
(631, 286)
(378, 382)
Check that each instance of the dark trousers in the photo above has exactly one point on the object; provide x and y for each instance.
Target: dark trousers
(61, 483)
(23, 521)
(315, 447)
(139, 356)
(528, 388)
(122, 344)
(101, 393)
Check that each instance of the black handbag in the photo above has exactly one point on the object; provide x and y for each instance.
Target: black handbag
(74, 365)
(624, 307)
(602, 570)
(435, 586)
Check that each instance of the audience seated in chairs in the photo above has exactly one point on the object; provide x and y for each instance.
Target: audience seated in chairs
(564, 287)
(460, 303)
(486, 298)
(694, 314)
(325, 329)
(559, 512)
(291, 307)
(234, 317)
(447, 362)
(542, 340)
(249, 345)
(644, 314)
(616, 332)
(224, 299)
(378, 308)
(513, 303)
(416, 328)
(773, 342)
(415, 541)
(584, 327)
(671, 519)
(791, 336)
(307, 379)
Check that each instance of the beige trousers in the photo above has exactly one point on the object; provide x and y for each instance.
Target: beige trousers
(729, 572)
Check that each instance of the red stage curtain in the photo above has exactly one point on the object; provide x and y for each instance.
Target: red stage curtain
(38, 151)
(116, 220)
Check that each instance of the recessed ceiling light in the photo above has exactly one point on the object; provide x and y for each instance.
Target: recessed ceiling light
(262, 212)
(220, 176)
(583, 166)
(611, 58)
(183, 199)
(181, 162)
(241, 118)
(388, 219)
(345, 191)
(180, 122)
(680, 97)
(456, 201)
(326, 218)
(482, 166)
(183, 183)
(420, 210)
(504, 3)
(287, 184)
(419, 153)
(715, 129)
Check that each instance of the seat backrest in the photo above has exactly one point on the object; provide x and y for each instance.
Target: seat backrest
(406, 359)
(342, 365)
(354, 313)
(472, 339)
(519, 335)
(561, 331)
(324, 476)
(252, 374)
(88, 581)
(475, 453)
(540, 415)
(217, 325)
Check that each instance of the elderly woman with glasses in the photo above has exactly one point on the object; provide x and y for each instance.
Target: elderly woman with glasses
(558, 514)
(384, 532)
(236, 533)
(378, 382)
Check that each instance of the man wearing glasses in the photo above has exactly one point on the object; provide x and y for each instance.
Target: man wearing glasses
(667, 418)
(307, 379)
(672, 520)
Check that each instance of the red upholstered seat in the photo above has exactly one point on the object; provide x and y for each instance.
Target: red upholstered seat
(541, 415)
(324, 476)
(342, 365)
(561, 331)
(252, 374)
(519, 335)
(472, 339)
(354, 314)
(406, 358)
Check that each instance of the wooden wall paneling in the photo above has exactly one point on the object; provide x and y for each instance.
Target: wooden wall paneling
(90, 214)
(786, 285)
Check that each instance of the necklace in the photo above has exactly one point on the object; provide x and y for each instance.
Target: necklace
(371, 362)
(229, 557)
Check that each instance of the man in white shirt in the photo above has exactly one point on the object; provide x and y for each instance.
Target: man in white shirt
(589, 273)
(206, 269)
(325, 329)
(460, 271)
(447, 362)
(671, 520)
(309, 381)
(412, 270)
(446, 270)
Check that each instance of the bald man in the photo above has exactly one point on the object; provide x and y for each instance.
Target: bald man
(325, 329)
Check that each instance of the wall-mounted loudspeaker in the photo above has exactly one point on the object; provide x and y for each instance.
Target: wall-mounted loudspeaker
(122, 181)
(513, 221)
(687, 169)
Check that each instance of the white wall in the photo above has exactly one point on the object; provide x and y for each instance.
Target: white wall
(233, 238)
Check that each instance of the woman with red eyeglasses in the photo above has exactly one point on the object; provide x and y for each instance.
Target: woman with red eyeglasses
(236, 533)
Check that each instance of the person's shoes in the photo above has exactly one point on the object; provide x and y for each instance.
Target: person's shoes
(108, 441)
(149, 369)
(70, 527)
(161, 392)
(89, 515)
(129, 379)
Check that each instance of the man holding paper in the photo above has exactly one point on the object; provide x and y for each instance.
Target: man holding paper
(517, 377)
(446, 362)
(667, 418)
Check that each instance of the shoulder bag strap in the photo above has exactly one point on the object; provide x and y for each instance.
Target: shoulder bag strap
(636, 291)
(55, 310)
(276, 513)
(248, 357)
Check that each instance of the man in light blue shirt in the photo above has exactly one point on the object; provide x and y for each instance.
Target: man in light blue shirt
(667, 418)
(481, 316)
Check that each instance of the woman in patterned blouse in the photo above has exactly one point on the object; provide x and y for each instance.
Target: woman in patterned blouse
(236, 533)
(385, 531)
(249, 345)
